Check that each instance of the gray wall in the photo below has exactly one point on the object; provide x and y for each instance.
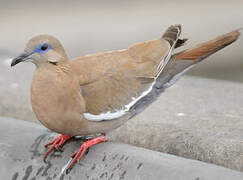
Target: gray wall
(94, 26)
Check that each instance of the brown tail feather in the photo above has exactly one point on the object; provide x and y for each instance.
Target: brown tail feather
(206, 49)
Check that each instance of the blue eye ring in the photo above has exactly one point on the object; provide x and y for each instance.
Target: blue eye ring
(43, 48)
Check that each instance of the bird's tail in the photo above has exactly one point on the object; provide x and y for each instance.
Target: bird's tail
(183, 61)
(205, 49)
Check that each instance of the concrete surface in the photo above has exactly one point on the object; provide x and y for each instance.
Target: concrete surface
(95, 26)
(21, 152)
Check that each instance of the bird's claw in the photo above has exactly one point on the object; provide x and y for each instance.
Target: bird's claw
(56, 144)
(65, 168)
(77, 156)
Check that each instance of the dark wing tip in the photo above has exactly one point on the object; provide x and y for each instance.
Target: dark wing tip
(172, 34)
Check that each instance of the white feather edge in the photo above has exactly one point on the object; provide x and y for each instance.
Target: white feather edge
(114, 115)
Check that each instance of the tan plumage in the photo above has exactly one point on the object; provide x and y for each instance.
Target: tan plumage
(97, 93)
(103, 82)
(113, 78)
(64, 93)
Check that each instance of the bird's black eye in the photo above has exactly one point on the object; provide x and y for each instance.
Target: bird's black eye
(44, 47)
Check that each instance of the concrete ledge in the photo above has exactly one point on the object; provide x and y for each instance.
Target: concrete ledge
(21, 152)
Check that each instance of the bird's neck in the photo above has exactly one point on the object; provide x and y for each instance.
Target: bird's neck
(63, 67)
(59, 67)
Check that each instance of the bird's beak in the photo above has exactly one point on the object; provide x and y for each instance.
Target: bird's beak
(22, 57)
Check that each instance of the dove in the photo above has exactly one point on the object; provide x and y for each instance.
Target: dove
(97, 93)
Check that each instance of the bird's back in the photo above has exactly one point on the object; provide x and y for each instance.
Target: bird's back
(111, 80)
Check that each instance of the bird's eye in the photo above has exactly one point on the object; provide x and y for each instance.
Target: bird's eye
(44, 47)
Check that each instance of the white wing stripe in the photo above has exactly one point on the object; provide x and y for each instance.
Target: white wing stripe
(114, 115)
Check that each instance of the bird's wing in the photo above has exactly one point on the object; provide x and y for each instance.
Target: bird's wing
(112, 82)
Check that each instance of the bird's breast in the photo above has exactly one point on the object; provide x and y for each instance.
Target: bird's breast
(56, 100)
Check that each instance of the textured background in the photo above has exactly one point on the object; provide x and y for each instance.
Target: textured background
(21, 158)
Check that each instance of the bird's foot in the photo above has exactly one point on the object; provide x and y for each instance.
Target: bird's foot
(56, 144)
(80, 153)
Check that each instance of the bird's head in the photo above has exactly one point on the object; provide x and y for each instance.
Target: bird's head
(42, 49)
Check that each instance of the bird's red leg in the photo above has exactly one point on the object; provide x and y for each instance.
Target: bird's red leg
(80, 153)
(57, 143)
